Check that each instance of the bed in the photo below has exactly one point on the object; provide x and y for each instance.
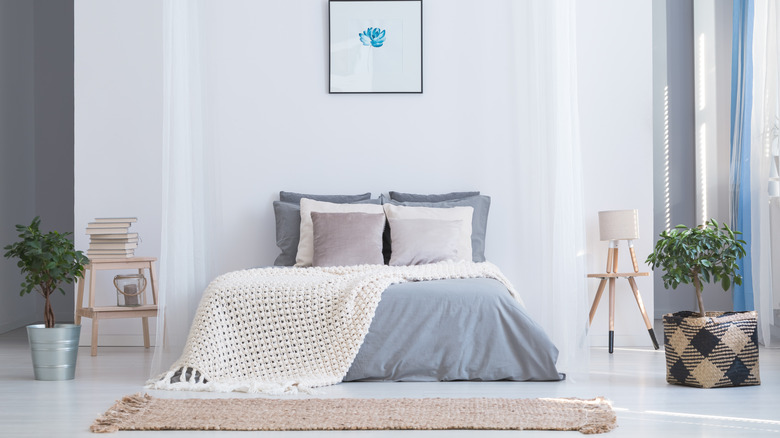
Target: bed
(366, 289)
(457, 318)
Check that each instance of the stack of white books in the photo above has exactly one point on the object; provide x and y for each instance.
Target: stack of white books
(110, 238)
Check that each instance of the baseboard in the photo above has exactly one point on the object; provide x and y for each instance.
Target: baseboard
(7, 326)
(109, 340)
(774, 331)
(629, 341)
(600, 340)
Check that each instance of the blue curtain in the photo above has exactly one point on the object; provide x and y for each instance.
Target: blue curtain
(741, 104)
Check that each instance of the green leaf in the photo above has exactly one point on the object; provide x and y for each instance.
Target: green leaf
(44, 259)
(709, 251)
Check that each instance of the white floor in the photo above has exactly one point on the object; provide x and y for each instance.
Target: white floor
(632, 378)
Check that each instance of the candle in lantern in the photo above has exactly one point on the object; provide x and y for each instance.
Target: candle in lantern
(131, 295)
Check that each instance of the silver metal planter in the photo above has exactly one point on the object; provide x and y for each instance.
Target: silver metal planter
(54, 350)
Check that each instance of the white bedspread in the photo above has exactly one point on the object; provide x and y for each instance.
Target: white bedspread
(278, 330)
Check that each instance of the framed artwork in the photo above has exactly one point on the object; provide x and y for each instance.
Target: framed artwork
(375, 46)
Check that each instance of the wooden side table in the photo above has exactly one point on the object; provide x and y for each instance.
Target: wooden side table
(144, 311)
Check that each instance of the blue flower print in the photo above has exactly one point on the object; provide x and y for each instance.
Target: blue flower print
(372, 36)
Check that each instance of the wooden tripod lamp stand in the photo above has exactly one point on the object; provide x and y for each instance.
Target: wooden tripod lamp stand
(614, 226)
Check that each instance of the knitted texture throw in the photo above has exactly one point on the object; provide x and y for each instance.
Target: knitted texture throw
(279, 330)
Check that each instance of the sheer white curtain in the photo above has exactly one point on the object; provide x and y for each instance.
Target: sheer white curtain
(188, 204)
(764, 156)
(549, 174)
(548, 177)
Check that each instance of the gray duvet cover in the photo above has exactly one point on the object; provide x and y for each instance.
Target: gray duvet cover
(462, 329)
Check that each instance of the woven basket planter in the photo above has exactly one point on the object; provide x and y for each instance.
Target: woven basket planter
(718, 351)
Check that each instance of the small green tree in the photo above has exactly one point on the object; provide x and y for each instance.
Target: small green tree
(46, 260)
(706, 253)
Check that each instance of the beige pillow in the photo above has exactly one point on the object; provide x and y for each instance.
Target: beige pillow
(347, 239)
(306, 244)
(463, 214)
(422, 241)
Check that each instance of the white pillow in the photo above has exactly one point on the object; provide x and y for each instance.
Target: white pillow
(306, 243)
(423, 241)
(463, 214)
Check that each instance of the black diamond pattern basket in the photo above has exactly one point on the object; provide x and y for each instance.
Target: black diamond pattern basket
(718, 351)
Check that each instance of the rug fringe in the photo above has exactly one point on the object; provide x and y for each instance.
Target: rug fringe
(600, 416)
(129, 405)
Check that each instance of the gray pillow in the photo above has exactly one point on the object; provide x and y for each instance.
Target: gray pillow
(288, 232)
(346, 239)
(412, 197)
(295, 198)
(288, 229)
(481, 205)
(422, 241)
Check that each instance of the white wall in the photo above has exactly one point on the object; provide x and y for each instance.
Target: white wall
(118, 133)
(615, 71)
(276, 127)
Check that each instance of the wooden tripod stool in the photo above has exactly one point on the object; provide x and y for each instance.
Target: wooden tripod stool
(610, 276)
(614, 226)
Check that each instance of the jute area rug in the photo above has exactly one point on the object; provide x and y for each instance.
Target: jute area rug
(144, 412)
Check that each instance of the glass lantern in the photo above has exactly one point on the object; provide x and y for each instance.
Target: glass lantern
(129, 289)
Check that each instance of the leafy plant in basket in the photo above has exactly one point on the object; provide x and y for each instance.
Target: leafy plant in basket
(46, 260)
(707, 253)
(706, 349)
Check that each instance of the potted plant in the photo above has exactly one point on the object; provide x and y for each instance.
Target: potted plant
(46, 261)
(706, 349)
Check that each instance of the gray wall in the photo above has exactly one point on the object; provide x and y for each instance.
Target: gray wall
(715, 298)
(17, 149)
(54, 127)
(36, 138)
(674, 128)
(673, 134)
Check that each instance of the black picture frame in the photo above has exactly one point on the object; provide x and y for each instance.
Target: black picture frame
(375, 46)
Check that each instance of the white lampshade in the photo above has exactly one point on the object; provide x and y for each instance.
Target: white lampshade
(619, 225)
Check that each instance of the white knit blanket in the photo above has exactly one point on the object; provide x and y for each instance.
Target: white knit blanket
(279, 330)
